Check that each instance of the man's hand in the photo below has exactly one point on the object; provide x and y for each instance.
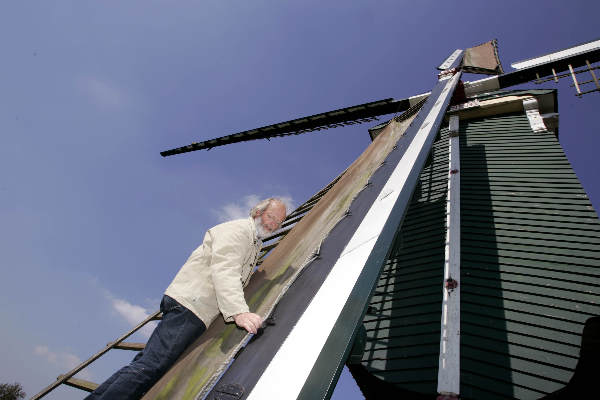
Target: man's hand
(248, 321)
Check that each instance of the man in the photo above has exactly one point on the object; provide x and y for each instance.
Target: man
(211, 281)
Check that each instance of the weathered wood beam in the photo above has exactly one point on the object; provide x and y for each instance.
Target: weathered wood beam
(79, 383)
(129, 346)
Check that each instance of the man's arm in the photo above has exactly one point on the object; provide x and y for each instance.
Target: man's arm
(229, 245)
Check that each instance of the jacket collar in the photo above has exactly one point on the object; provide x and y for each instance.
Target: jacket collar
(255, 238)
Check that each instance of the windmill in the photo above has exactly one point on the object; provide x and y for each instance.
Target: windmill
(328, 279)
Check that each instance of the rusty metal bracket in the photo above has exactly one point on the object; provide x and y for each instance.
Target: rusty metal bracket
(451, 284)
(448, 73)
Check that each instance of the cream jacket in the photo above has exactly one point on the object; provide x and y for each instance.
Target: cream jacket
(213, 278)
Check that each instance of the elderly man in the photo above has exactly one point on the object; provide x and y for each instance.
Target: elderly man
(211, 281)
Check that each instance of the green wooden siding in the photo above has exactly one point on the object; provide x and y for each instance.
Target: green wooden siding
(403, 320)
(530, 252)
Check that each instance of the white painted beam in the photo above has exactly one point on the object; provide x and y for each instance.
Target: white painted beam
(289, 369)
(450, 60)
(416, 99)
(558, 55)
(485, 85)
(449, 362)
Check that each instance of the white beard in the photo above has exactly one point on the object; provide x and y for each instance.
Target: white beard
(261, 232)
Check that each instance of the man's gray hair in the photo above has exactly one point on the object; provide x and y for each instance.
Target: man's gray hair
(264, 204)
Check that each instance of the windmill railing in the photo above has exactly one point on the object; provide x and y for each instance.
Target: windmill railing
(589, 68)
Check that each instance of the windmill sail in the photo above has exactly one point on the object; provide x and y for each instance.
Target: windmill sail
(357, 114)
(340, 243)
(483, 59)
(302, 248)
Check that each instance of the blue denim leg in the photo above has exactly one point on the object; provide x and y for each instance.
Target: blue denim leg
(175, 332)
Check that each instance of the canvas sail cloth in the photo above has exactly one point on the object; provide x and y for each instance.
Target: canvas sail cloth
(201, 365)
(483, 59)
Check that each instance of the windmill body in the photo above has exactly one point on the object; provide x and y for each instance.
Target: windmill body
(457, 256)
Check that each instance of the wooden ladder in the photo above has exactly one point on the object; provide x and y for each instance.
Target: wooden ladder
(67, 379)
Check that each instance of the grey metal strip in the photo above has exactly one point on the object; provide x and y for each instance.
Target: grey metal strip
(449, 360)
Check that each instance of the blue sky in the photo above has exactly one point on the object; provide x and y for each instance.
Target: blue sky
(95, 223)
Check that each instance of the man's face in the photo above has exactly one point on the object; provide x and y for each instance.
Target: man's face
(272, 217)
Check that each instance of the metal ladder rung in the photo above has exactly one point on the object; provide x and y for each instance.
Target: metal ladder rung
(129, 346)
(80, 384)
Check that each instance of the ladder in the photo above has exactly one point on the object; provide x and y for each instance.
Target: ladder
(67, 378)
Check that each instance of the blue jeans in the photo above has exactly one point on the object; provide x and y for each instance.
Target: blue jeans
(178, 328)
